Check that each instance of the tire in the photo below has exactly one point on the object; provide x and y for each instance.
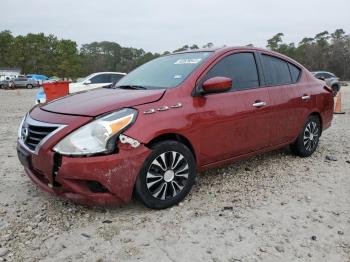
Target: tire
(166, 176)
(2, 86)
(308, 139)
(29, 86)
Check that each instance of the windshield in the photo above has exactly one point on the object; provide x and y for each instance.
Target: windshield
(164, 72)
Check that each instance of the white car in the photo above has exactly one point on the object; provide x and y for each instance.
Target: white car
(95, 80)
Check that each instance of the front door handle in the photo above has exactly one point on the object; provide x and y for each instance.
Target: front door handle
(305, 97)
(259, 104)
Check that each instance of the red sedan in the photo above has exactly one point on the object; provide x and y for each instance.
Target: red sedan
(170, 118)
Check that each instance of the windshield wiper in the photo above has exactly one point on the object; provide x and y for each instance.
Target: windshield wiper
(108, 86)
(131, 87)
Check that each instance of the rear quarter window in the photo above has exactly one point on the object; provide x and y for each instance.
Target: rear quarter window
(294, 72)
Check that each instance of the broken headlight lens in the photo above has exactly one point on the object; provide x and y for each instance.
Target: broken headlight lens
(98, 136)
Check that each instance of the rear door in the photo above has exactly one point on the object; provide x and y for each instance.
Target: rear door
(20, 82)
(286, 92)
(235, 122)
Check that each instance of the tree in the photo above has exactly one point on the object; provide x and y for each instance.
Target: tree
(274, 42)
(7, 56)
(45, 54)
(184, 48)
(208, 45)
(194, 46)
(68, 60)
(330, 52)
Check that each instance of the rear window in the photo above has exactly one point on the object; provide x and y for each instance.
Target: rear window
(277, 70)
(294, 72)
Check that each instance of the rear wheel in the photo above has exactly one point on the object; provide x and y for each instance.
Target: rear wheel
(29, 86)
(167, 175)
(308, 139)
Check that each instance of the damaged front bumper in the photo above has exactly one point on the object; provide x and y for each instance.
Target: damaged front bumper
(94, 180)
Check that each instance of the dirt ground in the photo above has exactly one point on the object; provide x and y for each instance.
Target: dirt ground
(274, 207)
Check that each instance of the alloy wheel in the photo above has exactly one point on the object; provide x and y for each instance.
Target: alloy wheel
(311, 136)
(167, 175)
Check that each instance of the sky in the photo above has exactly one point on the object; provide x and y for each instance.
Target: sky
(161, 25)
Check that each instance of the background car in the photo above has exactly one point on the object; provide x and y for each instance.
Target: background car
(39, 78)
(95, 80)
(5, 83)
(90, 82)
(331, 80)
(24, 82)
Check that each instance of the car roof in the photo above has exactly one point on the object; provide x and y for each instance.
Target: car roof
(225, 49)
(116, 73)
(222, 50)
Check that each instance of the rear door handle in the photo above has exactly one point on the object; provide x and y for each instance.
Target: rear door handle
(305, 97)
(259, 104)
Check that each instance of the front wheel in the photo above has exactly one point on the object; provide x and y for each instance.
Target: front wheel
(29, 86)
(167, 175)
(308, 139)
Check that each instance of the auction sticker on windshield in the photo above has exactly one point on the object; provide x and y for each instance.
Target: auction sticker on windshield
(188, 61)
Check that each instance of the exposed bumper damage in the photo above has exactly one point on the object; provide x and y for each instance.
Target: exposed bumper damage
(96, 180)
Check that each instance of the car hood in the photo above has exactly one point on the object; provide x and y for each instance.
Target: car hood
(100, 101)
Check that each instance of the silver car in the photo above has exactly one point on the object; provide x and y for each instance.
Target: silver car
(4, 84)
(25, 82)
(331, 80)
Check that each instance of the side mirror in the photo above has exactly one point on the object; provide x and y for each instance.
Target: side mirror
(217, 84)
(87, 82)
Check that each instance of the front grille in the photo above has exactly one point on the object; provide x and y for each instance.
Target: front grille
(33, 132)
(36, 134)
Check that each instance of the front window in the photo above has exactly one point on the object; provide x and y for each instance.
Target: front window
(240, 67)
(164, 72)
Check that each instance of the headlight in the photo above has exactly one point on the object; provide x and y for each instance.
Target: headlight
(98, 136)
(19, 132)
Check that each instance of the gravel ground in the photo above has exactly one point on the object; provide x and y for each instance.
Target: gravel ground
(274, 207)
